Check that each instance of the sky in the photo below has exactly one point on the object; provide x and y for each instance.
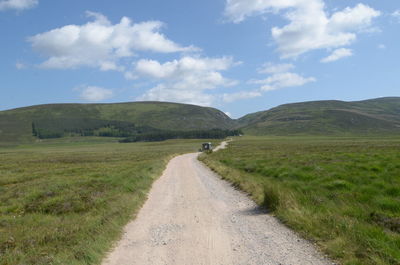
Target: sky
(240, 56)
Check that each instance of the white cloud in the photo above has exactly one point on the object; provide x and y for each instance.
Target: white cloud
(186, 66)
(18, 4)
(396, 14)
(162, 92)
(94, 93)
(231, 97)
(281, 78)
(185, 80)
(101, 44)
(269, 68)
(238, 10)
(227, 113)
(310, 26)
(20, 65)
(358, 17)
(381, 46)
(337, 54)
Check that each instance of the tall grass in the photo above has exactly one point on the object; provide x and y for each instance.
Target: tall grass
(66, 202)
(343, 193)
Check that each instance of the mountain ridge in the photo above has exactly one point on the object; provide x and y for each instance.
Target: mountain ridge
(371, 116)
(323, 117)
(17, 124)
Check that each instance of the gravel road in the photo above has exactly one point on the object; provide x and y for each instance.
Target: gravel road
(193, 218)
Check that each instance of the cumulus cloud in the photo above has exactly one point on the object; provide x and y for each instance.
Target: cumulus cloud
(185, 80)
(279, 76)
(270, 68)
(231, 97)
(101, 44)
(227, 113)
(184, 67)
(396, 14)
(18, 4)
(238, 10)
(310, 26)
(94, 93)
(337, 54)
(282, 78)
(172, 93)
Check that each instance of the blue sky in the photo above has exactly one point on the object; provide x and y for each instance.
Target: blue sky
(239, 56)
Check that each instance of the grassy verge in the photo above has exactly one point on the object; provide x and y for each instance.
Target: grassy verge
(66, 202)
(343, 193)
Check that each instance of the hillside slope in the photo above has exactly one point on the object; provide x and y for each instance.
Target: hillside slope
(368, 117)
(16, 124)
(375, 116)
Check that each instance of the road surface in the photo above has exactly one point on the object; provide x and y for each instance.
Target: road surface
(192, 217)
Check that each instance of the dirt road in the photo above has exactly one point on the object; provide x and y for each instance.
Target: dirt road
(193, 218)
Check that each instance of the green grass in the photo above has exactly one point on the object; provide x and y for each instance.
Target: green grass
(342, 193)
(66, 201)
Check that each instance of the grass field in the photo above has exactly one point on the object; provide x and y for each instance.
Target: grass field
(342, 193)
(65, 201)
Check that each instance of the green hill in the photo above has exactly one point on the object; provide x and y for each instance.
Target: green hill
(55, 120)
(368, 117)
(375, 116)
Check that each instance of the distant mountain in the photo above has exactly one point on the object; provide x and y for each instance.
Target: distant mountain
(369, 117)
(375, 116)
(55, 120)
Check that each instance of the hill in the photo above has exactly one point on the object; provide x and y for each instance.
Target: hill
(120, 119)
(156, 119)
(375, 116)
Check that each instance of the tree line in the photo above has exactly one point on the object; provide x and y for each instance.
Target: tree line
(57, 128)
(194, 134)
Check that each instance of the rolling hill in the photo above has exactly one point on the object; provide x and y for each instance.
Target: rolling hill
(18, 125)
(369, 117)
(375, 116)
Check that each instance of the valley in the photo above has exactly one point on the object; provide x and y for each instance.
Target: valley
(327, 169)
(147, 120)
